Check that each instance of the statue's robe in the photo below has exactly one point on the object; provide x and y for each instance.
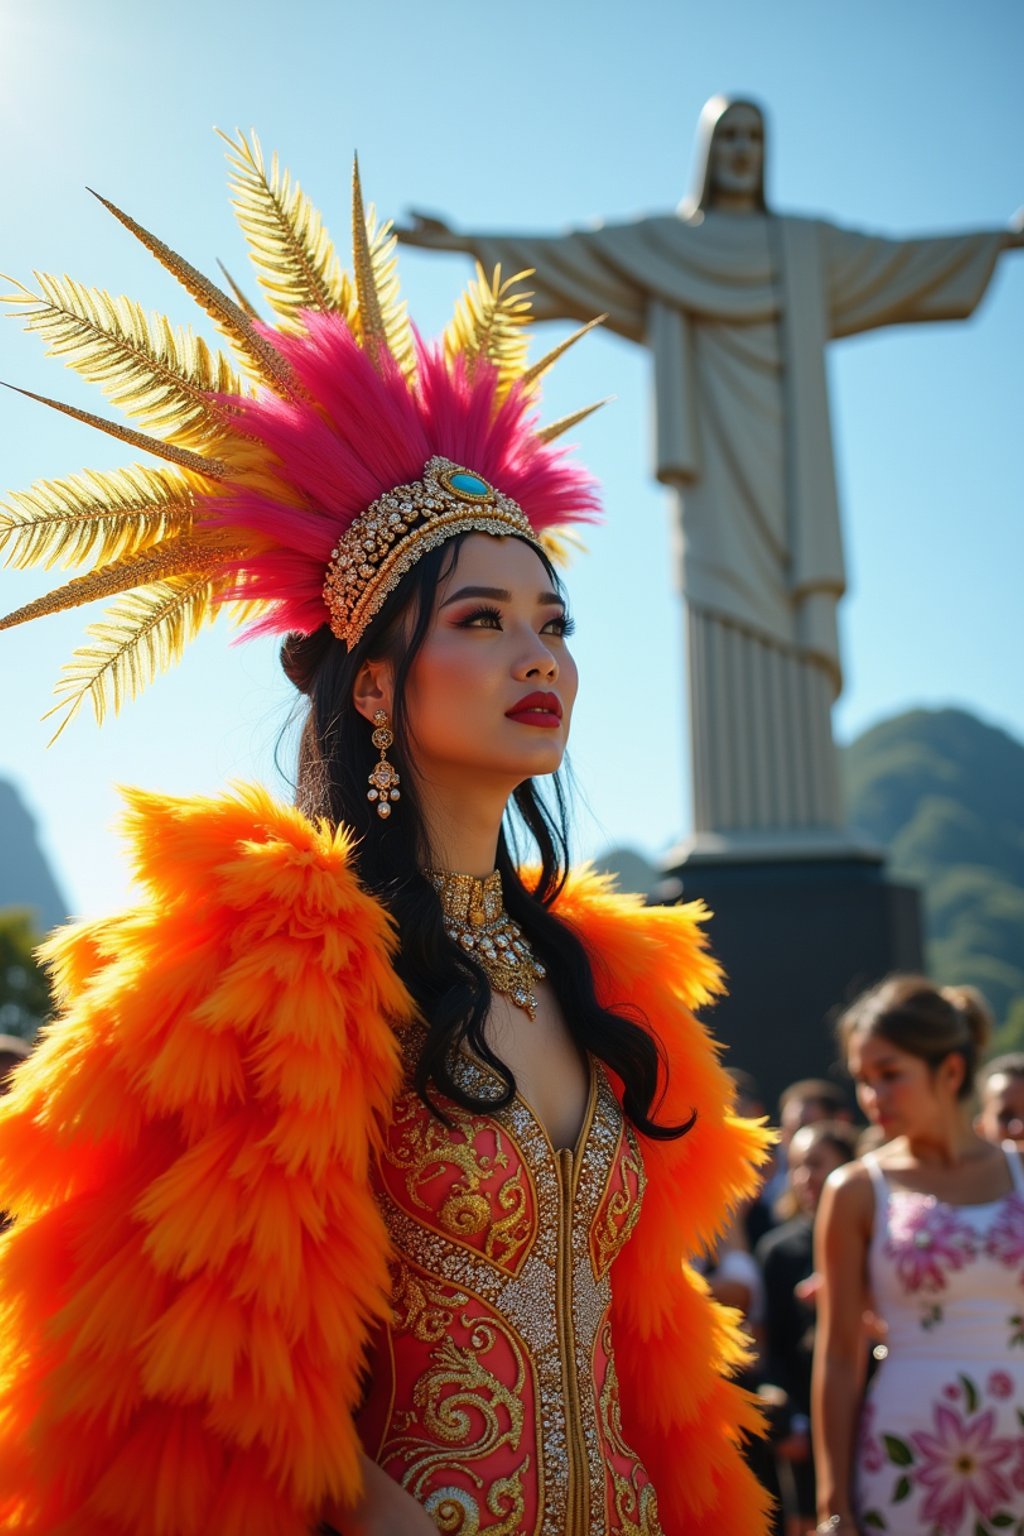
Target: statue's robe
(737, 311)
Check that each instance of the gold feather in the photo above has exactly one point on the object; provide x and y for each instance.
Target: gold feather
(173, 557)
(370, 321)
(93, 516)
(210, 469)
(142, 634)
(243, 303)
(294, 257)
(257, 356)
(566, 423)
(549, 359)
(561, 545)
(381, 319)
(161, 377)
(394, 310)
(489, 322)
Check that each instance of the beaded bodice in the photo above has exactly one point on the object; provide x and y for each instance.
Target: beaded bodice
(492, 1394)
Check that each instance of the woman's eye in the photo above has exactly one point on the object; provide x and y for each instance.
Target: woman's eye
(561, 626)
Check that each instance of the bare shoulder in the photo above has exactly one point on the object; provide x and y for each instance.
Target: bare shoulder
(849, 1194)
(842, 1239)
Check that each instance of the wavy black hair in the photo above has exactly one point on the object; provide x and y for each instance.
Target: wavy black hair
(449, 987)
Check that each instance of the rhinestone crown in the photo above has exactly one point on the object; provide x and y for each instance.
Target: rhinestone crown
(386, 540)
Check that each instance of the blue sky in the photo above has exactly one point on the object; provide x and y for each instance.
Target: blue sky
(900, 118)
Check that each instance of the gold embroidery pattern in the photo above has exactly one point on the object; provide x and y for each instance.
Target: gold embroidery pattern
(527, 1301)
(620, 1210)
(425, 1150)
(420, 1308)
(460, 1405)
(461, 1410)
(591, 1293)
(456, 1511)
(636, 1507)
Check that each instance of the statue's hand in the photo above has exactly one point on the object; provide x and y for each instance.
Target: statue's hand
(1015, 233)
(424, 229)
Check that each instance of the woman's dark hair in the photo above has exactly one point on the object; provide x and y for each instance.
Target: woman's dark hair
(450, 989)
(837, 1134)
(924, 1020)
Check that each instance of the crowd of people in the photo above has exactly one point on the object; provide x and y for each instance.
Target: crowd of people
(901, 1274)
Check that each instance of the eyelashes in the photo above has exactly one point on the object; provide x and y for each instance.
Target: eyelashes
(490, 618)
(472, 620)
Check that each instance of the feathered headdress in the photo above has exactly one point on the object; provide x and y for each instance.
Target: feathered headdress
(304, 471)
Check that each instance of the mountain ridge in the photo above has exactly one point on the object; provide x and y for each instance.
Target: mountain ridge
(943, 793)
(26, 879)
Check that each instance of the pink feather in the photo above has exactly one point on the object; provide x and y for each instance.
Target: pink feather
(360, 433)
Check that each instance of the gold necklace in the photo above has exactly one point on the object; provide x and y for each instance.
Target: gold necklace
(475, 917)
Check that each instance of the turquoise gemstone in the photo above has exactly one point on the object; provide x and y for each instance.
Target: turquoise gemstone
(469, 485)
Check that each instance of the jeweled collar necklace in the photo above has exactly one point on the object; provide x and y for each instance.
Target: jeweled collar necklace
(475, 917)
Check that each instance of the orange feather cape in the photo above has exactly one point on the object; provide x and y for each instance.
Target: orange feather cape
(197, 1262)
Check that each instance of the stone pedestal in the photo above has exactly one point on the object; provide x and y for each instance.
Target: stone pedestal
(800, 931)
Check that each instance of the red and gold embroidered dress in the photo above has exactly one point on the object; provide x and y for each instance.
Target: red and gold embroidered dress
(494, 1398)
(231, 1213)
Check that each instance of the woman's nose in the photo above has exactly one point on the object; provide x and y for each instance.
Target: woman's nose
(540, 662)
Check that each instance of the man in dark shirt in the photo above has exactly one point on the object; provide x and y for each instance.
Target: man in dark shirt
(786, 1256)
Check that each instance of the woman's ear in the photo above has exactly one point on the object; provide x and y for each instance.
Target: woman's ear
(373, 688)
(953, 1070)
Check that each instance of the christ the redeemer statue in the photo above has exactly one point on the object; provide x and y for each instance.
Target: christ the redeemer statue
(736, 305)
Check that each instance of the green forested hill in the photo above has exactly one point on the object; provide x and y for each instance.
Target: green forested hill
(944, 793)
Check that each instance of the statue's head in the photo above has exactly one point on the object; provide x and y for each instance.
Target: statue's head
(729, 170)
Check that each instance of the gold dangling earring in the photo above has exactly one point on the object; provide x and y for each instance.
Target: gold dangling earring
(383, 781)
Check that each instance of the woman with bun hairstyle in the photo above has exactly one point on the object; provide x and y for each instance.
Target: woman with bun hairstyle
(928, 1229)
(354, 1184)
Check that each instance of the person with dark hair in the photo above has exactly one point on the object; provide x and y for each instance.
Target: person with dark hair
(786, 1257)
(931, 1227)
(809, 1100)
(322, 1174)
(804, 1102)
(1001, 1091)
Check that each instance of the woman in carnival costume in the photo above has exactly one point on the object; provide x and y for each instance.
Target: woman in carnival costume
(354, 1182)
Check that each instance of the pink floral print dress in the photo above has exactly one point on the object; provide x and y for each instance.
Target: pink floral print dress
(941, 1442)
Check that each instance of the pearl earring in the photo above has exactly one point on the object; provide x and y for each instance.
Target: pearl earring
(383, 780)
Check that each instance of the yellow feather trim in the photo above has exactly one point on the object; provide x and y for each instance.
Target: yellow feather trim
(259, 358)
(295, 260)
(381, 320)
(162, 376)
(97, 516)
(490, 323)
(145, 631)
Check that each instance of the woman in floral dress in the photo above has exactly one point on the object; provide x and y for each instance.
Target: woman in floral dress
(930, 1231)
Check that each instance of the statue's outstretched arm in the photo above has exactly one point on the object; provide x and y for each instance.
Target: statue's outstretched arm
(874, 280)
(435, 234)
(568, 275)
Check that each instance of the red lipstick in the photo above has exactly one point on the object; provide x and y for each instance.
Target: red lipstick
(542, 709)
